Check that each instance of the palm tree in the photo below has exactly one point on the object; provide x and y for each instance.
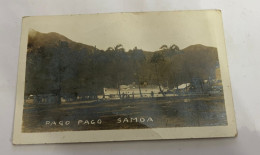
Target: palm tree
(164, 47)
(156, 59)
(117, 53)
(173, 48)
(117, 48)
(138, 58)
(170, 52)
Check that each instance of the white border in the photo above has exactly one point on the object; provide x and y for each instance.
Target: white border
(126, 134)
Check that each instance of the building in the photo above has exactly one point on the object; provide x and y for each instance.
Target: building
(133, 91)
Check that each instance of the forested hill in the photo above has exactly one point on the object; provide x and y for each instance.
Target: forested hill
(37, 40)
(58, 65)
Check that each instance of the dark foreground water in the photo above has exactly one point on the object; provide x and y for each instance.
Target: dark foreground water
(186, 111)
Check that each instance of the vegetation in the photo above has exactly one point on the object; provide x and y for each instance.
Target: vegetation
(57, 65)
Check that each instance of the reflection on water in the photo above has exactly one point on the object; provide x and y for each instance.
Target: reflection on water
(186, 111)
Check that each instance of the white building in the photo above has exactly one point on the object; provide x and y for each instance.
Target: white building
(133, 91)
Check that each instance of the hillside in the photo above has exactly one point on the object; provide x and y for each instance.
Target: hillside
(58, 65)
(37, 40)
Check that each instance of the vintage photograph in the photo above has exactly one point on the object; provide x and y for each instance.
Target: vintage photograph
(74, 86)
(122, 71)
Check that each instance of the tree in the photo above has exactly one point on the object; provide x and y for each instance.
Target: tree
(138, 60)
(174, 74)
(117, 48)
(62, 52)
(171, 50)
(157, 59)
(119, 61)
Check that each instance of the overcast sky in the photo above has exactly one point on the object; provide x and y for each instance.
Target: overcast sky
(145, 30)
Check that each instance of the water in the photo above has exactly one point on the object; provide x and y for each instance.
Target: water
(163, 112)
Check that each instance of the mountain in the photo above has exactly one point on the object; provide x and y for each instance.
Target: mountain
(58, 65)
(202, 59)
(37, 40)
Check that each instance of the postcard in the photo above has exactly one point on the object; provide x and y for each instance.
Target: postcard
(123, 76)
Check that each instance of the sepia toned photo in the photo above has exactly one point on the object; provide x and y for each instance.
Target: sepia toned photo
(126, 73)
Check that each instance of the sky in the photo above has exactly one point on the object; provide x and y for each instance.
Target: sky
(147, 31)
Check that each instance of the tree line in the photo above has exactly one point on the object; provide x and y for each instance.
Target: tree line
(64, 68)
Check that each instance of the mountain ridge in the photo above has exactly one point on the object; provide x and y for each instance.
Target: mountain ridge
(56, 64)
(47, 38)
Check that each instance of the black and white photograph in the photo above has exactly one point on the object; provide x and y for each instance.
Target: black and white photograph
(124, 71)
